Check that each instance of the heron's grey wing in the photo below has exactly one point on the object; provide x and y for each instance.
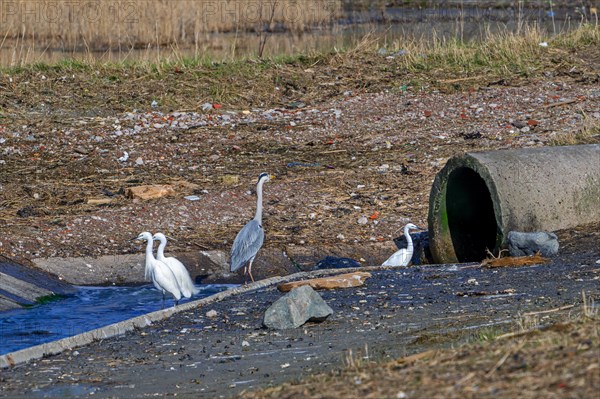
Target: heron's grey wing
(246, 244)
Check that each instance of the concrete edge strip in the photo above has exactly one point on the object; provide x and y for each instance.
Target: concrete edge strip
(120, 328)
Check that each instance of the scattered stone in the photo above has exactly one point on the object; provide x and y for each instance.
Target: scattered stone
(329, 283)
(211, 314)
(333, 262)
(363, 220)
(296, 308)
(525, 244)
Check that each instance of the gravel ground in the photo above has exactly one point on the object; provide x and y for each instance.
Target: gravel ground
(365, 155)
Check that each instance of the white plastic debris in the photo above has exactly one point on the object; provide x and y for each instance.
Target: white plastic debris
(125, 157)
(544, 44)
(154, 104)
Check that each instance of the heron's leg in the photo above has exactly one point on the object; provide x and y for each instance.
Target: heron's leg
(245, 272)
(250, 269)
(163, 303)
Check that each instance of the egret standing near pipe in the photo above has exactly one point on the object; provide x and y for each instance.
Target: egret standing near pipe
(248, 241)
(403, 256)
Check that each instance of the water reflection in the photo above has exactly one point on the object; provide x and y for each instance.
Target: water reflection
(391, 27)
(89, 308)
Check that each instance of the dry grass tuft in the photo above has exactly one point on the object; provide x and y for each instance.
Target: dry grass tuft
(87, 25)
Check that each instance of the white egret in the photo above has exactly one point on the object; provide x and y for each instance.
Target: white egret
(248, 241)
(162, 277)
(186, 285)
(403, 256)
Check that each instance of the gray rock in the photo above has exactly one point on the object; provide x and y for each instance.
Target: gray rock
(525, 244)
(296, 308)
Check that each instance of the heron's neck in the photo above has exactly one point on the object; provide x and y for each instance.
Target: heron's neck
(160, 252)
(259, 198)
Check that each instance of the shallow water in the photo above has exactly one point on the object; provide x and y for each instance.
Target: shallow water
(396, 25)
(89, 308)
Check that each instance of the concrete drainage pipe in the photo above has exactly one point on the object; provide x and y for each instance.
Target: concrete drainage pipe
(477, 198)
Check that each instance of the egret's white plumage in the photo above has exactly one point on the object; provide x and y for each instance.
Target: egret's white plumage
(403, 256)
(186, 285)
(248, 241)
(162, 277)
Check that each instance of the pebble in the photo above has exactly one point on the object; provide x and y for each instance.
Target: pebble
(211, 314)
(363, 220)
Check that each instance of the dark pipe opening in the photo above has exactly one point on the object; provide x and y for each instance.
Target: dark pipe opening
(471, 218)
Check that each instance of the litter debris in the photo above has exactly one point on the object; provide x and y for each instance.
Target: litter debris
(508, 291)
(334, 262)
(307, 165)
(515, 261)
(149, 191)
(230, 180)
(125, 157)
(329, 283)
(99, 201)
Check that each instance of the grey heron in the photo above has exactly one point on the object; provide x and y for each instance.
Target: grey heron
(162, 277)
(182, 275)
(248, 241)
(403, 256)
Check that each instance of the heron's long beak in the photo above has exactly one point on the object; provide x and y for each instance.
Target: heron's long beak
(134, 238)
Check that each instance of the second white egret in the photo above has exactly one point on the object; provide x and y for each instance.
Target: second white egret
(186, 285)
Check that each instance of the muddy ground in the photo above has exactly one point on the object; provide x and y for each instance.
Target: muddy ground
(396, 313)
